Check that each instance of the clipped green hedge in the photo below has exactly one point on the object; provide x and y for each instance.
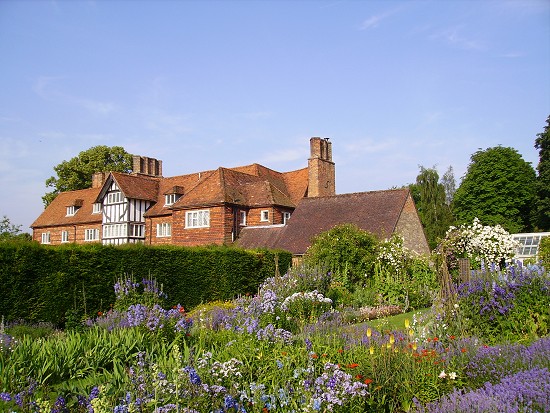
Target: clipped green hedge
(42, 283)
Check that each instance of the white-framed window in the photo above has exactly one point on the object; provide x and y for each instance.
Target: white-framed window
(137, 230)
(46, 237)
(197, 219)
(71, 210)
(115, 231)
(164, 229)
(243, 217)
(114, 198)
(97, 208)
(170, 199)
(91, 235)
(286, 217)
(64, 236)
(264, 215)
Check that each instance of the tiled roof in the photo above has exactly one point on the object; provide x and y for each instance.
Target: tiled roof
(56, 212)
(377, 212)
(251, 185)
(137, 186)
(166, 185)
(260, 237)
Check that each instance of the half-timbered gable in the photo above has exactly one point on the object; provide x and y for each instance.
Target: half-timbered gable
(125, 199)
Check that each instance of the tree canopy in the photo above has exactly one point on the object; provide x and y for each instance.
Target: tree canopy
(430, 196)
(542, 211)
(77, 172)
(499, 188)
(9, 231)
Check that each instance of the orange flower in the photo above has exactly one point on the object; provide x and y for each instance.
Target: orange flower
(463, 350)
(314, 356)
(340, 350)
(324, 355)
(99, 313)
(352, 365)
(284, 353)
(452, 337)
(359, 376)
(368, 381)
(436, 339)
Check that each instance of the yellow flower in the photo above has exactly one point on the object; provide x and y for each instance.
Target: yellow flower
(407, 323)
(371, 349)
(392, 339)
(411, 332)
(369, 332)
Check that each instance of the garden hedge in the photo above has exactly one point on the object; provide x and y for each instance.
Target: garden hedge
(44, 283)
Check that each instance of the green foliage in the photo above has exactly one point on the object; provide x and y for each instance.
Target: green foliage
(12, 232)
(510, 305)
(544, 251)
(346, 250)
(402, 278)
(77, 172)
(499, 188)
(66, 283)
(542, 210)
(431, 202)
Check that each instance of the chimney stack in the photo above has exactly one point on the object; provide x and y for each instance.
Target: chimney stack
(98, 179)
(321, 168)
(143, 165)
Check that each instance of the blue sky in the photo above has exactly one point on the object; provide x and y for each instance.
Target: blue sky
(393, 84)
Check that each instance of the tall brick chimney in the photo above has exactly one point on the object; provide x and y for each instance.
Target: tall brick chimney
(143, 165)
(98, 179)
(321, 168)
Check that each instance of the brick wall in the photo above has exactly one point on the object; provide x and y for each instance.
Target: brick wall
(410, 227)
(219, 232)
(77, 233)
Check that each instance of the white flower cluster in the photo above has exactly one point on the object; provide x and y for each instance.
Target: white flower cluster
(490, 244)
(393, 253)
(311, 296)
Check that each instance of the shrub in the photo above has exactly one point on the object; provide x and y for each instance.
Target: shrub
(347, 251)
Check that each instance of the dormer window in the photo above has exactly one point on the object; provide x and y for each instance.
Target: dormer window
(170, 199)
(71, 210)
(172, 195)
(73, 207)
(264, 215)
(97, 208)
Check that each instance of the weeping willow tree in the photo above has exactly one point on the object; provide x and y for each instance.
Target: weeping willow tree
(433, 204)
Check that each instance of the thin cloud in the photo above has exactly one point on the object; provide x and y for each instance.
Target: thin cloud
(455, 38)
(374, 21)
(46, 88)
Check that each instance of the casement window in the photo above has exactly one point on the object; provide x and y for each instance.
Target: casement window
(91, 235)
(137, 230)
(64, 236)
(243, 218)
(164, 229)
(114, 198)
(115, 231)
(170, 199)
(264, 215)
(286, 217)
(46, 237)
(197, 219)
(71, 210)
(97, 208)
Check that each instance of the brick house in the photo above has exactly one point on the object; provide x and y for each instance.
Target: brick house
(248, 205)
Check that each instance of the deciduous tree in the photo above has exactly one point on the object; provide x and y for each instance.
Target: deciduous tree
(542, 211)
(77, 172)
(499, 188)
